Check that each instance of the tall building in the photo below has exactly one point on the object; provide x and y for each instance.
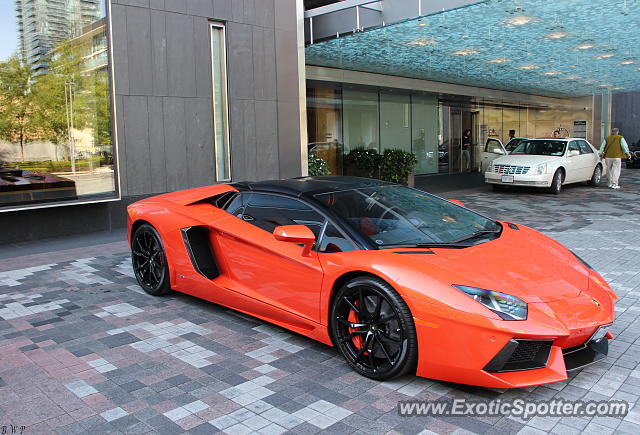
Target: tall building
(42, 24)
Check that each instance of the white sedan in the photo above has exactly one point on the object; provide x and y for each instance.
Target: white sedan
(547, 163)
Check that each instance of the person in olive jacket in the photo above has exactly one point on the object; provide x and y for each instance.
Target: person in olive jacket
(613, 149)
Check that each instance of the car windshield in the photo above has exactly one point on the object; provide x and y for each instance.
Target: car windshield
(393, 215)
(513, 143)
(540, 148)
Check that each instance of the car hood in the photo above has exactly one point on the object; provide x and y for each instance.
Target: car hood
(522, 263)
(523, 159)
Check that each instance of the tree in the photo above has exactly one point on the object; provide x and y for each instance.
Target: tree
(16, 102)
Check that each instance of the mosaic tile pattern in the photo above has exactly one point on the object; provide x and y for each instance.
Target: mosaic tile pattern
(566, 48)
(82, 349)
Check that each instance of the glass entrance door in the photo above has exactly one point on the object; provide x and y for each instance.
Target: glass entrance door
(455, 142)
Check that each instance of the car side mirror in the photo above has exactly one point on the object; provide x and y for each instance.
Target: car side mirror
(573, 153)
(455, 201)
(298, 234)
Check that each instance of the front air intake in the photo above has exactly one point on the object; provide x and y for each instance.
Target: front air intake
(196, 240)
(521, 355)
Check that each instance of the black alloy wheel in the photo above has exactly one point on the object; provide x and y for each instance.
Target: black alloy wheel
(149, 261)
(556, 183)
(373, 328)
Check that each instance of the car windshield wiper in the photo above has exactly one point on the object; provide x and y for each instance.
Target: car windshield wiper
(425, 245)
(476, 234)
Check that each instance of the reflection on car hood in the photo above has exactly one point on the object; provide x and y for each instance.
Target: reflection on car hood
(524, 159)
(522, 263)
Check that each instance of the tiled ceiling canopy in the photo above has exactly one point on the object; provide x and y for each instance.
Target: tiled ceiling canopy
(561, 48)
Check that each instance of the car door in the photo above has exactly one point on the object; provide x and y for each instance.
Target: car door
(267, 270)
(589, 158)
(492, 150)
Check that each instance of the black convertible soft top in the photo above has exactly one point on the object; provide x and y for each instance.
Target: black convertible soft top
(308, 186)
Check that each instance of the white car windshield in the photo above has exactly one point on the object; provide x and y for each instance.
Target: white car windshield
(541, 148)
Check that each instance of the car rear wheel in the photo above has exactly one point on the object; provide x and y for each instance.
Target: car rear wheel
(149, 261)
(556, 183)
(597, 175)
(373, 328)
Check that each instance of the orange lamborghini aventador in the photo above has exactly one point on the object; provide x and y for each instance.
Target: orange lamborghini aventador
(396, 279)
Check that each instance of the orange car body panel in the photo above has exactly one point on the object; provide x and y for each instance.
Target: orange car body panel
(457, 337)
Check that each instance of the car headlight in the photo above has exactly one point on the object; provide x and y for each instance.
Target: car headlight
(541, 169)
(506, 306)
(490, 167)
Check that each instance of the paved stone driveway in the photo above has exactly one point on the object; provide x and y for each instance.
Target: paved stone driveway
(82, 348)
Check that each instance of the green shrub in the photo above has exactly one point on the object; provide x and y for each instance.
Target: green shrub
(366, 161)
(317, 165)
(396, 165)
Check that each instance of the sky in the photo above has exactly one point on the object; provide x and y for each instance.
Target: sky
(8, 29)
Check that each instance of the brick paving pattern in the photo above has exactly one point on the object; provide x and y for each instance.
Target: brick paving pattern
(84, 349)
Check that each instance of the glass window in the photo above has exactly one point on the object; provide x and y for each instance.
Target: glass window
(584, 147)
(220, 122)
(493, 146)
(394, 121)
(424, 124)
(55, 103)
(573, 146)
(236, 205)
(540, 148)
(398, 215)
(268, 211)
(334, 241)
(360, 113)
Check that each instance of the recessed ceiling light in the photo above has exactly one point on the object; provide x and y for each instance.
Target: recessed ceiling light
(604, 55)
(627, 62)
(465, 36)
(585, 46)
(552, 73)
(557, 35)
(519, 20)
(421, 23)
(465, 52)
(527, 67)
(422, 41)
(572, 77)
(618, 88)
(501, 60)
(605, 85)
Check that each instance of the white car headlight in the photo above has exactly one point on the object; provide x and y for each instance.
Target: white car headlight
(506, 306)
(541, 169)
(490, 167)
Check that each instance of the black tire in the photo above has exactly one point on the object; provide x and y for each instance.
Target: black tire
(597, 176)
(556, 182)
(380, 343)
(149, 261)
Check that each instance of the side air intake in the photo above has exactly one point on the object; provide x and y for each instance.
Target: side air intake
(196, 240)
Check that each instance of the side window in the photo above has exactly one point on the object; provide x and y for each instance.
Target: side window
(493, 146)
(573, 146)
(236, 205)
(584, 147)
(333, 241)
(268, 211)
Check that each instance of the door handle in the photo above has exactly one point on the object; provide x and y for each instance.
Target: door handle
(247, 217)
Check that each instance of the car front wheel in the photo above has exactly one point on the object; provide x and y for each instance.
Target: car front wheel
(556, 183)
(373, 329)
(149, 261)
